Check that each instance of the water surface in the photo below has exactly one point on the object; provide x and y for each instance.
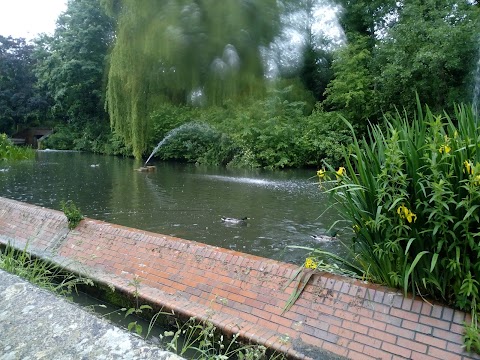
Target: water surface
(181, 200)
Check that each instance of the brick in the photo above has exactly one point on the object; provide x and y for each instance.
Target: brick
(436, 323)
(358, 356)
(458, 317)
(312, 340)
(377, 353)
(404, 314)
(419, 328)
(397, 350)
(334, 348)
(382, 335)
(442, 354)
(430, 340)
(412, 345)
(400, 331)
(420, 356)
(451, 337)
(367, 340)
(378, 325)
(355, 327)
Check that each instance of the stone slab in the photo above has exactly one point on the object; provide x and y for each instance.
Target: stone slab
(37, 324)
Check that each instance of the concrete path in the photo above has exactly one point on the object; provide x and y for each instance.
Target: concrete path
(36, 324)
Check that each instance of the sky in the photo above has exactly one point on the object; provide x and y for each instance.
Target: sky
(28, 18)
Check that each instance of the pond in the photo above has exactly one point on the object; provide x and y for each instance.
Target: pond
(183, 200)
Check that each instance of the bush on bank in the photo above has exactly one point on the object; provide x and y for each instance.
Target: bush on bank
(411, 191)
(271, 133)
(8, 151)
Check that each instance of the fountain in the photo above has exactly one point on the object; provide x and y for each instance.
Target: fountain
(167, 137)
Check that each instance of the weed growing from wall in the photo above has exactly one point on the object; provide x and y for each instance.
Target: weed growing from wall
(72, 212)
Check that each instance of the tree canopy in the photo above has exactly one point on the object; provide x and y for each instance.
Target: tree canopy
(184, 52)
(72, 63)
(19, 103)
(130, 60)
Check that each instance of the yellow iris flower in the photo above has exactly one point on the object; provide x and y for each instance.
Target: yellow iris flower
(405, 213)
(468, 167)
(445, 148)
(321, 173)
(310, 263)
(340, 172)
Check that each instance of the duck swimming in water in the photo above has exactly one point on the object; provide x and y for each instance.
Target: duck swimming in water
(234, 220)
(332, 235)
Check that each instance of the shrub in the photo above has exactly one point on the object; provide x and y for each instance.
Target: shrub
(8, 151)
(62, 139)
(412, 195)
(197, 142)
(72, 212)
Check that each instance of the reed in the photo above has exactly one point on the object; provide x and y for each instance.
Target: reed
(411, 192)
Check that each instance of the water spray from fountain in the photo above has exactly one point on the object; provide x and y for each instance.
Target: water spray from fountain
(171, 134)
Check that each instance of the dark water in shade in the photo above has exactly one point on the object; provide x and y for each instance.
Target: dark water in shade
(181, 200)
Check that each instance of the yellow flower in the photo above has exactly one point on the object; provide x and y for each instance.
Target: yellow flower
(405, 213)
(310, 263)
(340, 172)
(444, 148)
(321, 173)
(411, 217)
(356, 228)
(468, 167)
(455, 134)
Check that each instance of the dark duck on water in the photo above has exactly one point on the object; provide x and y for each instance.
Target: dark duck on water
(231, 220)
(330, 236)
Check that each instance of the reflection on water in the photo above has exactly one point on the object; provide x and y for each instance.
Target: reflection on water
(181, 200)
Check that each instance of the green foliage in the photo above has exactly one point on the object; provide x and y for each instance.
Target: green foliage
(63, 138)
(170, 51)
(431, 49)
(39, 272)
(197, 142)
(412, 194)
(365, 17)
(272, 133)
(200, 340)
(8, 151)
(352, 89)
(71, 64)
(72, 212)
(20, 103)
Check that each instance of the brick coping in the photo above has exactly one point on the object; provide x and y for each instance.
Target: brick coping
(241, 293)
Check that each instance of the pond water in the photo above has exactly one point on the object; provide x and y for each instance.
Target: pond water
(183, 200)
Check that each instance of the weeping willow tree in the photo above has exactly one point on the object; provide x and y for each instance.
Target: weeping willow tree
(180, 51)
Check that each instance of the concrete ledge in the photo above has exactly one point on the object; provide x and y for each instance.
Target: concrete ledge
(241, 293)
(36, 324)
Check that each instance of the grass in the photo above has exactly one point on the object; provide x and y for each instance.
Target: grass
(39, 272)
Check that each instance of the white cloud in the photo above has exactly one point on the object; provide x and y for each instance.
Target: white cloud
(27, 18)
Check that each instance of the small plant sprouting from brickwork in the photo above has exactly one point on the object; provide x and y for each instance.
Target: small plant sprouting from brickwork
(72, 212)
(137, 309)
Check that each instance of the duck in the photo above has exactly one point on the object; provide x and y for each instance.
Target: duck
(234, 220)
(331, 236)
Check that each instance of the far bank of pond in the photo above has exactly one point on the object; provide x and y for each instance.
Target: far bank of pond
(182, 200)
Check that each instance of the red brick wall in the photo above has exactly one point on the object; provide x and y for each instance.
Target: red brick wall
(242, 293)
